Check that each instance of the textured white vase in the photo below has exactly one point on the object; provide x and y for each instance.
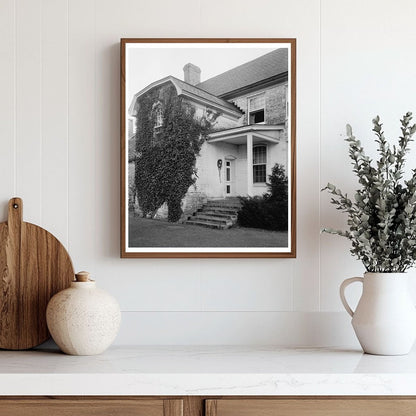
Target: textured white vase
(82, 319)
(385, 318)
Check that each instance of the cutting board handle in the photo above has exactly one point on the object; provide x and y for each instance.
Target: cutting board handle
(15, 214)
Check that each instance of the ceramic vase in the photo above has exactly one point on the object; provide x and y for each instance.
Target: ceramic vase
(385, 318)
(83, 320)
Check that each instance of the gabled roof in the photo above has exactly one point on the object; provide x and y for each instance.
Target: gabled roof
(198, 92)
(192, 92)
(267, 66)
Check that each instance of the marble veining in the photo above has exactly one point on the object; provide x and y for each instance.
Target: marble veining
(211, 370)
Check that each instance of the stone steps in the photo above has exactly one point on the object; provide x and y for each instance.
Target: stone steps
(220, 210)
(219, 214)
(206, 224)
(223, 207)
(224, 202)
(213, 218)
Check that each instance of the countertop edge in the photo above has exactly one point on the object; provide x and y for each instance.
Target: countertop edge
(212, 384)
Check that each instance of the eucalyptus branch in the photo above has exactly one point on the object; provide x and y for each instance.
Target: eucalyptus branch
(382, 215)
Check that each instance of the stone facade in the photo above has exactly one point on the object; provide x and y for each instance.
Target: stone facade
(192, 201)
(275, 104)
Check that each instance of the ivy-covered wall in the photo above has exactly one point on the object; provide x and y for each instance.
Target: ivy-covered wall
(165, 167)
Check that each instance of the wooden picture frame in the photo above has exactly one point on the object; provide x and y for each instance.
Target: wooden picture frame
(233, 146)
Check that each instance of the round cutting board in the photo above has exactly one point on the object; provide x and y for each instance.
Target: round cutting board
(34, 266)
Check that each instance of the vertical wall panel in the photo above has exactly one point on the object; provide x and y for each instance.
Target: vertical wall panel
(298, 19)
(28, 107)
(55, 117)
(304, 25)
(368, 68)
(139, 284)
(7, 103)
(264, 285)
(81, 113)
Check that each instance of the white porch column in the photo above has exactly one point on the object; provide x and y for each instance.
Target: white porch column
(250, 164)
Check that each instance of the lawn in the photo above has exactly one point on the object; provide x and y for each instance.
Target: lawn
(145, 232)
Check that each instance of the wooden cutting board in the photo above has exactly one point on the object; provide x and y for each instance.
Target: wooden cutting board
(34, 266)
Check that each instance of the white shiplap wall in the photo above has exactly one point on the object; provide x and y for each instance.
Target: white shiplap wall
(59, 132)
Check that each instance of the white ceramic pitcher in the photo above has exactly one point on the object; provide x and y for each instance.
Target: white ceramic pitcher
(385, 318)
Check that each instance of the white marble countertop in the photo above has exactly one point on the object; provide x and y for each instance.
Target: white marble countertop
(207, 371)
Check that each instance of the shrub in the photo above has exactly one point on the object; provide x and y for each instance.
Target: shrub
(257, 212)
(278, 186)
(269, 211)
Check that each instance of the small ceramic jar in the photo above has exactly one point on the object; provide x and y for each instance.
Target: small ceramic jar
(82, 319)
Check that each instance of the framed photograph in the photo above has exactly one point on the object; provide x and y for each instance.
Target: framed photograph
(208, 131)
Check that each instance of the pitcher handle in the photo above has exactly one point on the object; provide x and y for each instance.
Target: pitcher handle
(342, 288)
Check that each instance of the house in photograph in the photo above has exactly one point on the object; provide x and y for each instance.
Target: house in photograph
(247, 111)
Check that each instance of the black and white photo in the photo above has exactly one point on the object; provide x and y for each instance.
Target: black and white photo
(208, 148)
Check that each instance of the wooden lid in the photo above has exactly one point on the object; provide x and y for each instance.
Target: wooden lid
(82, 277)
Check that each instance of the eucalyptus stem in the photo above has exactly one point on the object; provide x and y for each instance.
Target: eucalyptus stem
(382, 214)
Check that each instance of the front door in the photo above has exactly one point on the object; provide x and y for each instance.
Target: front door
(229, 183)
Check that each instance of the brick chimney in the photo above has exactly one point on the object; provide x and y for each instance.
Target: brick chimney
(192, 74)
